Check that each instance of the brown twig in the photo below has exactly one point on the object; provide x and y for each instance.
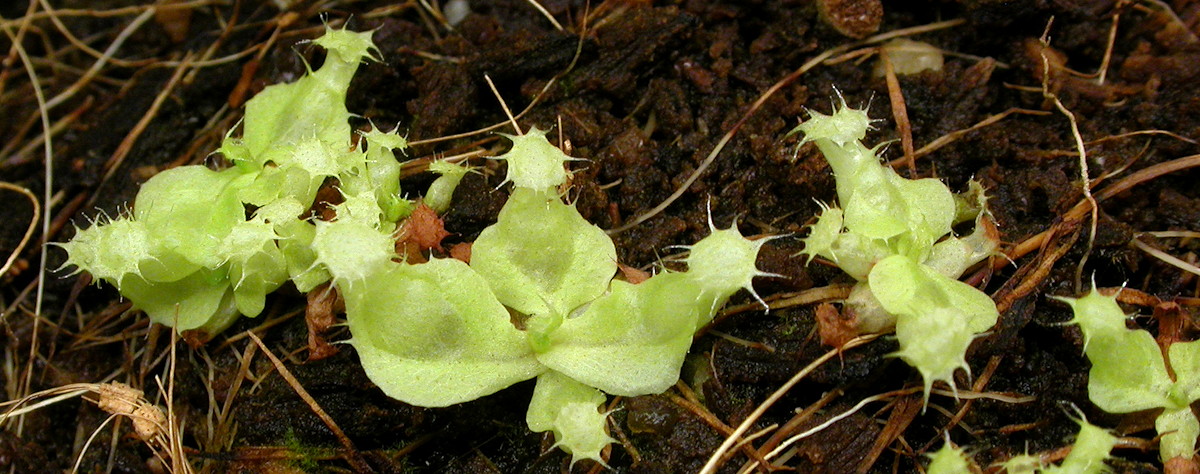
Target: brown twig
(715, 423)
(899, 113)
(718, 456)
(903, 412)
(1068, 223)
(118, 156)
(37, 214)
(979, 385)
(955, 135)
(790, 427)
(350, 452)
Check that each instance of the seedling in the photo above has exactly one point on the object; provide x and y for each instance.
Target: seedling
(1092, 446)
(1129, 373)
(441, 333)
(893, 236)
(188, 255)
(537, 300)
(950, 459)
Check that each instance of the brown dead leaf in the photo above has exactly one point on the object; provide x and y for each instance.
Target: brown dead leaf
(461, 251)
(1181, 465)
(633, 275)
(424, 229)
(175, 21)
(834, 329)
(319, 316)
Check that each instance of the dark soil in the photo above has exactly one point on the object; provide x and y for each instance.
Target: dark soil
(644, 90)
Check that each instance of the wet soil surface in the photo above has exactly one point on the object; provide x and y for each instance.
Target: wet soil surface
(645, 91)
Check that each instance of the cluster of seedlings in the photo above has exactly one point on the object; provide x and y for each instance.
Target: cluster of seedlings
(540, 296)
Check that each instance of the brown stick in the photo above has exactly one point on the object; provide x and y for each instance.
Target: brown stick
(350, 454)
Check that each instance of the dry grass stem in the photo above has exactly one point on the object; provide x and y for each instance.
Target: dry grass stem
(37, 213)
(351, 453)
(718, 456)
(1166, 257)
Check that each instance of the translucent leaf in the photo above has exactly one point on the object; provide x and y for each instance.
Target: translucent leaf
(1088, 453)
(352, 250)
(188, 303)
(1185, 360)
(442, 189)
(275, 183)
(256, 265)
(189, 210)
(295, 242)
(723, 263)
(313, 106)
(903, 286)
(876, 208)
(433, 335)
(542, 257)
(949, 460)
(1179, 429)
(534, 163)
(1128, 373)
(631, 341)
(823, 234)
(123, 247)
(571, 410)
(930, 207)
(1096, 315)
(937, 317)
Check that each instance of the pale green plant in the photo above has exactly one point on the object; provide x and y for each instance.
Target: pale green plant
(189, 256)
(538, 299)
(894, 235)
(1129, 372)
(441, 333)
(1091, 447)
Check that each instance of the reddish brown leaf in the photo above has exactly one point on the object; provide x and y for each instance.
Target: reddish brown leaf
(834, 329)
(1181, 465)
(633, 275)
(319, 316)
(423, 228)
(461, 251)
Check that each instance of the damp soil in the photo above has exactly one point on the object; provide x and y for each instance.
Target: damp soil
(644, 91)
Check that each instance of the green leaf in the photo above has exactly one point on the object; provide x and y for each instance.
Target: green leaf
(380, 175)
(631, 341)
(274, 183)
(352, 250)
(937, 317)
(1179, 429)
(433, 335)
(949, 460)
(442, 189)
(1185, 361)
(313, 106)
(571, 410)
(1097, 315)
(823, 235)
(123, 247)
(256, 265)
(954, 255)
(1092, 446)
(189, 210)
(903, 286)
(1128, 373)
(533, 163)
(188, 303)
(541, 257)
(722, 264)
